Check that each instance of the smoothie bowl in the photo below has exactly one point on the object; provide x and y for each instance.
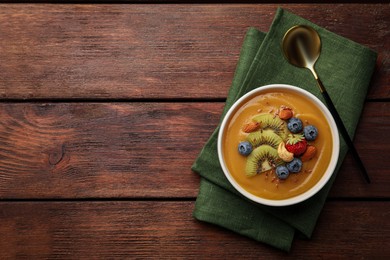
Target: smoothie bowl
(278, 145)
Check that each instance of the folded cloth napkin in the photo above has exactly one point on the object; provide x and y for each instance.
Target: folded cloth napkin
(345, 68)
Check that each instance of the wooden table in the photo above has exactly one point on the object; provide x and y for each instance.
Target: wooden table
(103, 109)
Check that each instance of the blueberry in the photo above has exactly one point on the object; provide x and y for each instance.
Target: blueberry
(295, 125)
(282, 172)
(245, 148)
(310, 132)
(295, 165)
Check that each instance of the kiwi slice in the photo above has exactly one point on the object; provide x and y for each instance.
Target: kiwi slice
(261, 159)
(268, 121)
(262, 137)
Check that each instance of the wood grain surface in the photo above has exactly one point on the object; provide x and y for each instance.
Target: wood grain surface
(100, 230)
(81, 150)
(155, 51)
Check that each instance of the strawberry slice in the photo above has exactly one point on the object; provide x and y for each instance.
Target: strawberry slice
(296, 144)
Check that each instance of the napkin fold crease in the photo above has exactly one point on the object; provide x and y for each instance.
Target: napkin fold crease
(345, 68)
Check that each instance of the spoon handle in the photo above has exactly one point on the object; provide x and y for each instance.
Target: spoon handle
(342, 129)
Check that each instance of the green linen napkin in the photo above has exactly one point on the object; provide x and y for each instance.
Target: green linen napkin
(345, 68)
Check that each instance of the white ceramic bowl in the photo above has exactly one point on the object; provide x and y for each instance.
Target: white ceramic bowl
(331, 166)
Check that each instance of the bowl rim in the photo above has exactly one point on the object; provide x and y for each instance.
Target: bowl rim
(332, 164)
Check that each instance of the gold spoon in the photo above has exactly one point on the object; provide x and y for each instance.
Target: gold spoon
(302, 47)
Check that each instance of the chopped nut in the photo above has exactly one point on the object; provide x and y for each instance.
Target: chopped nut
(284, 154)
(250, 127)
(285, 113)
(309, 153)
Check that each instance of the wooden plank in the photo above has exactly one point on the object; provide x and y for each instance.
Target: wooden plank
(371, 142)
(97, 230)
(102, 150)
(155, 51)
(107, 150)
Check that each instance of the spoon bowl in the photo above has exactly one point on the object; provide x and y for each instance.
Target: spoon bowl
(302, 47)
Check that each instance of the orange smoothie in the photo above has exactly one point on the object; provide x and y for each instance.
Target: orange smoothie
(266, 184)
